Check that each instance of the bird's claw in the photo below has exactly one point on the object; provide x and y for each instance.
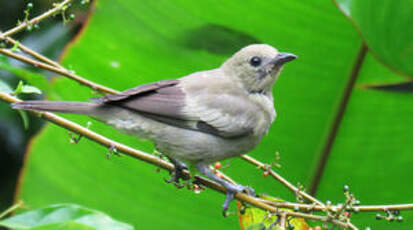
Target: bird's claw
(231, 190)
(177, 174)
(175, 181)
(177, 184)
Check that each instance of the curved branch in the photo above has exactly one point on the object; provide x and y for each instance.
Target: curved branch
(159, 162)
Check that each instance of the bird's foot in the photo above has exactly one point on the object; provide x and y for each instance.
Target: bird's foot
(178, 174)
(231, 190)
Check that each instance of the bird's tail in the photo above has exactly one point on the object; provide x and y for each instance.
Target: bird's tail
(57, 106)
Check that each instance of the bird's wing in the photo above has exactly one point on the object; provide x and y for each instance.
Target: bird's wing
(166, 101)
(163, 98)
(224, 114)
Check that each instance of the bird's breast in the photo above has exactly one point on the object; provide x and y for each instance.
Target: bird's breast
(267, 114)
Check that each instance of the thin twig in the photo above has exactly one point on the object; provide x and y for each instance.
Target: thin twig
(283, 220)
(59, 7)
(54, 69)
(318, 218)
(11, 209)
(33, 53)
(287, 184)
(335, 208)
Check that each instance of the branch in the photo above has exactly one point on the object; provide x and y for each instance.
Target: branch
(57, 70)
(104, 141)
(33, 53)
(287, 184)
(58, 8)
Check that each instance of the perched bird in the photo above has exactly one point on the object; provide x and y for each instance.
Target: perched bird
(198, 119)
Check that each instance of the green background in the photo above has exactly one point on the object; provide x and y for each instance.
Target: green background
(127, 43)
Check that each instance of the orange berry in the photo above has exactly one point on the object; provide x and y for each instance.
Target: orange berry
(265, 173)
(218, 165)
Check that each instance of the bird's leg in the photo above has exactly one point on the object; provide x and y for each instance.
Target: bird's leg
(231, 188)
(177, 173)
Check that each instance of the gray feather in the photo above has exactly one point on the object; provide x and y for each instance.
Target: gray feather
(57, 106)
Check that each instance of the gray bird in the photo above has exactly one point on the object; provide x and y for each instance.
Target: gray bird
(198, 119)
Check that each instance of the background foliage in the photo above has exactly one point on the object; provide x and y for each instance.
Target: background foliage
(128, 42)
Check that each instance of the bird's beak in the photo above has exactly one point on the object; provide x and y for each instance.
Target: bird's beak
(282, 58)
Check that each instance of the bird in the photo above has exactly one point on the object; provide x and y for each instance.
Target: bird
(198, 119)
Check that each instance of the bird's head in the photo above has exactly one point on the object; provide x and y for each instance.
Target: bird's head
(257, 67)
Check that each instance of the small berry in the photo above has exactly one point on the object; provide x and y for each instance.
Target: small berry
(218, 165)
(197, 189)
(265, 173)
(399, 218)
(29, 28)
(29, 5)
(328, 203)
(71, 16)
(346, 188)
(357, 202)
(317, 228)
(36, 26)
(347, 214)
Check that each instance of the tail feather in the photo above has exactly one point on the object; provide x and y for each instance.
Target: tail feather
(57, 106)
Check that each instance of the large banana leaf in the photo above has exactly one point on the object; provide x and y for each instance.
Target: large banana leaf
(128, 42)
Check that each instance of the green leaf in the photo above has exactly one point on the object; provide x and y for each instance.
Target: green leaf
(385, 25)
(35, 79)
(252, 218)
(30, 89)
(156, 40)
(63, 216)
(15, 47)
(26, 89)
(373, 149)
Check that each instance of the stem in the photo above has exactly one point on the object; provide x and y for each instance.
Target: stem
(287, 184)
(336, 208)
(54, 69)
(283, 220)
(11, 209)
(23, 25)
(318, 218)
(34, 53)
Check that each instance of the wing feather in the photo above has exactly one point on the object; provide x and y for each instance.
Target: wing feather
(226, 115)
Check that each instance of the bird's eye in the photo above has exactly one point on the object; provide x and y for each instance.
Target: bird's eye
(255, 61)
